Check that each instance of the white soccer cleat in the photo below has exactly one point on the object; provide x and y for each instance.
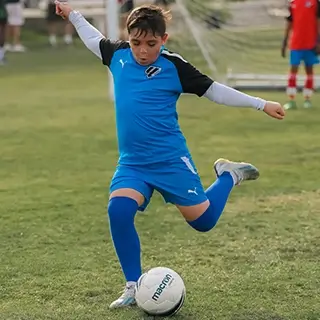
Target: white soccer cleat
(240, 171)
(18, 48)
(126, 299)
(7, 47)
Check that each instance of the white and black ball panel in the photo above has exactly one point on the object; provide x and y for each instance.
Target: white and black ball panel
(160, 292)
(138, 284)
(172, 311)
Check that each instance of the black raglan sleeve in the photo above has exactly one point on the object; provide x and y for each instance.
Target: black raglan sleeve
(191, 79)
(109, 47)
(318, 9)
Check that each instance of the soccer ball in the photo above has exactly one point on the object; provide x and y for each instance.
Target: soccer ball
(160, 292)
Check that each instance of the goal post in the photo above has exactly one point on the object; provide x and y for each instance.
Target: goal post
(237, 41)
(112, 26)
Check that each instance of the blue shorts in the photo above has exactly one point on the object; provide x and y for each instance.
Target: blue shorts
(178, 182)
(308, 57)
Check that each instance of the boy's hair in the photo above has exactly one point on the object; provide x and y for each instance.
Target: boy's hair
(148, 18)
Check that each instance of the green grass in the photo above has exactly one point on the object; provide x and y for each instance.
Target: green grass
(58, 153)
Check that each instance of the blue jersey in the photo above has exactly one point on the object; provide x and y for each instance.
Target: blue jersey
(145, 103)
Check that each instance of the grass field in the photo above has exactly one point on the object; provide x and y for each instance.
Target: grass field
(58, 153)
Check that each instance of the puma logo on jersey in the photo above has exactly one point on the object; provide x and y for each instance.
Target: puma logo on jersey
(122, 62)
(152, 71)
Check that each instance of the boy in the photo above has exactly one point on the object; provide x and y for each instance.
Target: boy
(153, 152)
(53, 24)
(302, 25)
(15, 23)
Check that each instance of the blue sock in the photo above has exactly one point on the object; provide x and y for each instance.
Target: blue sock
(217, 194)
(122, 211)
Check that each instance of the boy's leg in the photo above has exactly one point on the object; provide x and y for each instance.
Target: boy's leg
(16, 21)
(204, 216)
(310, 59)
(179, 183)
(308, 87)
(8, 35)
(128, 194)
(228, 174)
(68, 39)
(122, 208)
(52, 20)
(2, 41)
(295, 58)
(52, 30)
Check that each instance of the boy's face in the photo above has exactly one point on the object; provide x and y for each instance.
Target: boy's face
(146, 47)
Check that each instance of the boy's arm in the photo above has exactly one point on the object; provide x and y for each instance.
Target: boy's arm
(318, 15)
(318, 27)
(288, 28)
(222, 94)
(225, 95)
(287, 32)
(89, 35)
(195, 82)
(93, 39)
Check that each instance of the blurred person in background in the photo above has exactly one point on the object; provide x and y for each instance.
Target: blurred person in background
(126, 6)
(54, 21)
(303, 26)
(3, 24)
(162, 3)
(15, 22)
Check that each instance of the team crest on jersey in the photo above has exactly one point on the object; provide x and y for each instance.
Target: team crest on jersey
(152, 71)
(308, 4)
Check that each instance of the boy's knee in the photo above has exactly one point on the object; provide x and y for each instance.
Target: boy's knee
(121, 209)
(205, 222)
(204, 228)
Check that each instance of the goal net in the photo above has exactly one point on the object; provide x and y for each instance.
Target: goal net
(238, 43)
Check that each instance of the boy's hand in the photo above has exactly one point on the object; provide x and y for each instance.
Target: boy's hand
(63, 9)
(274, 109)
